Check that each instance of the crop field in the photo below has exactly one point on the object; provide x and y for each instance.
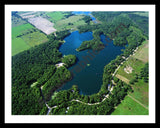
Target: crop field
(25, 36)
(142, 53)
(130, 107)
(70, 23)
(34, 38)
(132, 62)
(20, 29)
(136, 103)
(18, 45)
(55, 16)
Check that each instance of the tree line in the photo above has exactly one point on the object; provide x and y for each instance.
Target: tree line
(66, 106)
(37, 65)
(117, 26)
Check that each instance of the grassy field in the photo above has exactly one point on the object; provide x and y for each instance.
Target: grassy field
(34, 38)
(69, 23)
(55, 16)
(135, 61)
(142, 53)
(135, 64)
(20, 29)
(18, 45)
(129, 106)
(23, 36)
(28, 38)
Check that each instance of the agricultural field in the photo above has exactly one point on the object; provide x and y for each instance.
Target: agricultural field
(135, 103)
(136, 62)
(71, 22)
(130, 107)
(64, 20)
(132, 62)
(25, 25)
(142, 53)
(55, 16)
(25, 36)
(18, 44)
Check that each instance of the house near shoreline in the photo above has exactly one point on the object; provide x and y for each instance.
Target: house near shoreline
(59, 65)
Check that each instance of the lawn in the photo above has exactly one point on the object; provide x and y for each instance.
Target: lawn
(130, 107)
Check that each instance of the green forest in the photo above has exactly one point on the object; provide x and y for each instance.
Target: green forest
(35, 77)
(37, 65)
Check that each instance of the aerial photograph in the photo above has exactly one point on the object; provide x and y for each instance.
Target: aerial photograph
(80, 63)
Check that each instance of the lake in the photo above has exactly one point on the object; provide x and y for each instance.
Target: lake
(88, 71)
(85, 13)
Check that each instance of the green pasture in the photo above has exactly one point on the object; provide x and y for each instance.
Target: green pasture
(141, 92)
(69, 23)
(129, 107)
(19, 29)
(135, 64)
(34, 38)
(29, 39)
(140, 89)
(136, 61)
(142, 53)
(55, 16)
(18, 45)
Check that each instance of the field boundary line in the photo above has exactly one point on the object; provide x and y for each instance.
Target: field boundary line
(138, 102)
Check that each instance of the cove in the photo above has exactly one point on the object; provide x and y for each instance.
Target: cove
(89, 78)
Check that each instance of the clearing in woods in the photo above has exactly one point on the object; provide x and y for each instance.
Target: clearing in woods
(42, 24)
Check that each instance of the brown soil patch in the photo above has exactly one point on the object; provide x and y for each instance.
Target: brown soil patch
(128, 69)
(42, 24)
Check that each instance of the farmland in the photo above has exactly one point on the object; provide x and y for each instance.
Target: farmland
(130, 107)
(135, 103)
(31, 28)
(70, 23)
(55, 16)
(25, 36)
(100, 87)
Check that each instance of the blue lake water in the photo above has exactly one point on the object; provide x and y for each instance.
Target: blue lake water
(85, 13)
(88, 71)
